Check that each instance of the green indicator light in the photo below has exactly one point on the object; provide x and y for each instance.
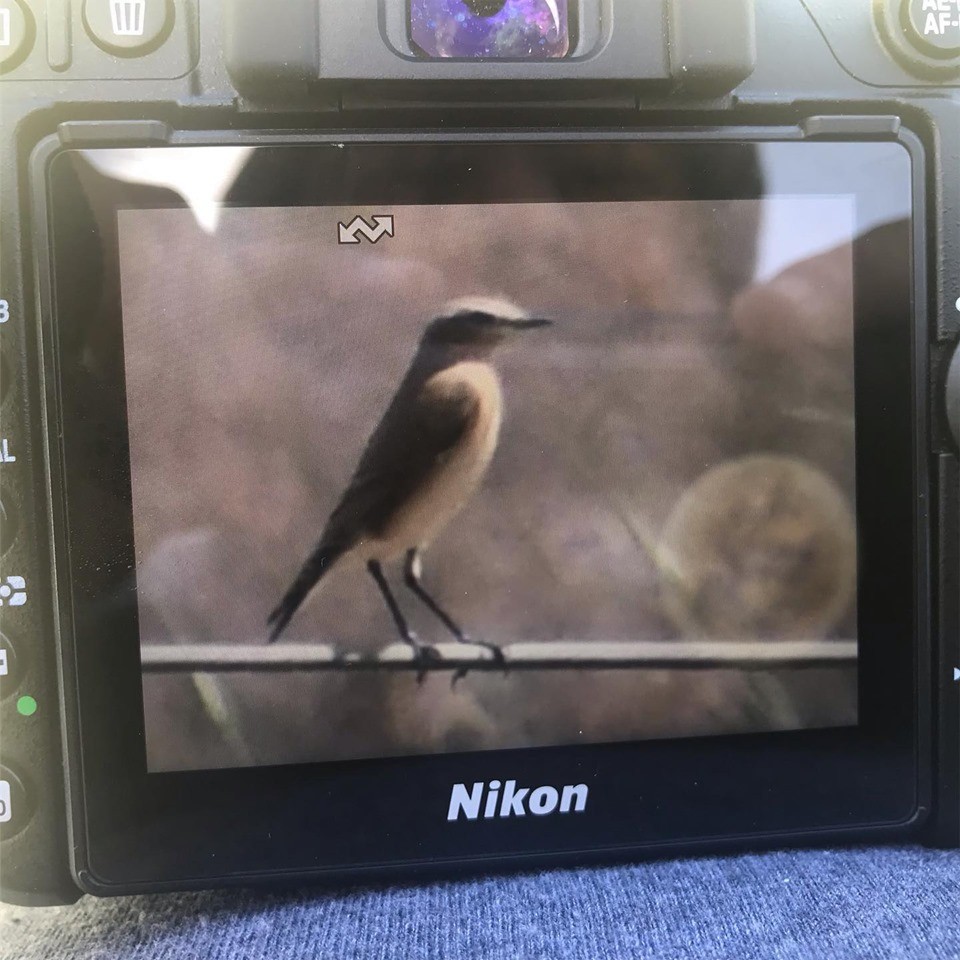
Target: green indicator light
(26, 706)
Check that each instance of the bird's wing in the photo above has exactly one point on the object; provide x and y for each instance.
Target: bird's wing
(415, 436)
(421, 426)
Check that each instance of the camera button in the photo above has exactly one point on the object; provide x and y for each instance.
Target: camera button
(128, 28)
(933, 26)
(6, 377)
(16, 807)
(9, 524)
(16, 33)
(11, 669)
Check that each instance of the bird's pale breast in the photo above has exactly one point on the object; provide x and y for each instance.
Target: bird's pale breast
(459, 472)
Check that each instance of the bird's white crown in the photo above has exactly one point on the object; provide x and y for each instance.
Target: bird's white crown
(494, 306)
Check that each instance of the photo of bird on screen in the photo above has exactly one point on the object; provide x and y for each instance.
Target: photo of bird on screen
(462, 525)
(421, 465)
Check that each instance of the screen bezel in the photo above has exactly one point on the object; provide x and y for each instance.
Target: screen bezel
(133, 827)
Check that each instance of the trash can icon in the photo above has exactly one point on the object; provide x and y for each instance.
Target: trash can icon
(128, 17)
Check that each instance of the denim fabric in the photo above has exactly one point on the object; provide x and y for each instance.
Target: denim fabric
(864, 903)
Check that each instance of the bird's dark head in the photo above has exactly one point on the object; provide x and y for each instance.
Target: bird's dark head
(479, 323)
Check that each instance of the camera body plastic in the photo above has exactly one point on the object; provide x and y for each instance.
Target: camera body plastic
(181, 73)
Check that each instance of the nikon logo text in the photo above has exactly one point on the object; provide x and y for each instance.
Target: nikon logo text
(487, 801)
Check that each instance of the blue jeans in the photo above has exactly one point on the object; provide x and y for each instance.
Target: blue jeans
(884, 903)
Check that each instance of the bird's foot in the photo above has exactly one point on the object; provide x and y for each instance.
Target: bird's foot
(498, 657)
(423, 656)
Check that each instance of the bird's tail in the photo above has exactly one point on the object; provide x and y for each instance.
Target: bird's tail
(317, 564)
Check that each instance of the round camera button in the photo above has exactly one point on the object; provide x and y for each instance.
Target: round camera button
(11, 668)
(9, 524)
(16, 804)
(6, 377)
(933, 26)
(128, 28)
(16, 33)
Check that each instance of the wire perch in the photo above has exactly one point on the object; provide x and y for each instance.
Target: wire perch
(559, 655)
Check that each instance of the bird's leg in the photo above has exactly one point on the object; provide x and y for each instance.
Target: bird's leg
(411, 577)
(424, 654)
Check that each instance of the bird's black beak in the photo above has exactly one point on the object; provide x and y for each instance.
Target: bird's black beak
(530, 324)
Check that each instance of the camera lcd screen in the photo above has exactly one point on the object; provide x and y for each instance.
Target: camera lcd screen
(391, 464)
(468, 530)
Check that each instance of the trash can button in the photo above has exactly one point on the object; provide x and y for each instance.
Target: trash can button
(129, 28)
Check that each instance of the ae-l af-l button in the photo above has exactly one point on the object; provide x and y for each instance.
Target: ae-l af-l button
(933, 26)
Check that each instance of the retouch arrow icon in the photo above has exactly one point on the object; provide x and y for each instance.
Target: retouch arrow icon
(381, 227)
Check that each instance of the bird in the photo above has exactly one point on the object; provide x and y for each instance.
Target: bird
(421, 465)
